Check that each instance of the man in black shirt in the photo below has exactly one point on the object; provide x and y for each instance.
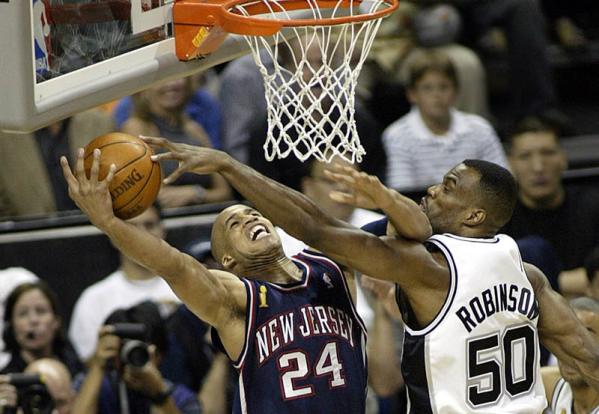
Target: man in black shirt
(566, 217)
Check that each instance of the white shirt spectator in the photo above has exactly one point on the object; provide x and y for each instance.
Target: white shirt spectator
(359, 217)
(10, 278)
(114, 292)
(417, 158)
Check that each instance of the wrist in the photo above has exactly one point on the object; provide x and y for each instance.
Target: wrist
(164, 394)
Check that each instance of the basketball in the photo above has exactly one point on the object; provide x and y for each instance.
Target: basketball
(137, 178)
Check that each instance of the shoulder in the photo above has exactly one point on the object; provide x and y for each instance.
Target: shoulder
(536, 277)
(395, 129)
(99, 289)
(475, 124)
(196, 132)
(584, 195)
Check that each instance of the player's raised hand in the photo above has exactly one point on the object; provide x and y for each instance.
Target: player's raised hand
(90, 194)
(364, 190)
(193, 159)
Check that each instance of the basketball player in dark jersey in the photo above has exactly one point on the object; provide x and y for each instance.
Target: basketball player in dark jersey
(289, 325)
(474, 200)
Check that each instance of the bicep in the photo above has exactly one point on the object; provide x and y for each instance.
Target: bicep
(209, 294)
(559, 329)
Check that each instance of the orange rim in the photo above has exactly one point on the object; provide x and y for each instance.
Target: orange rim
(236, 23)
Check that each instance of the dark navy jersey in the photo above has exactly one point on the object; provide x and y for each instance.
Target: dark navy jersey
(305, 346)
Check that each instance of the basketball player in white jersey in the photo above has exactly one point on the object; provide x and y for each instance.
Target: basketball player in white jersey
(567, 391)
(471, 307)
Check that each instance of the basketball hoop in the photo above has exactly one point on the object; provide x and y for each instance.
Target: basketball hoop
(313, 51)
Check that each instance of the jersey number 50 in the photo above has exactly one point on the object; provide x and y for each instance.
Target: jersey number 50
(518, 354)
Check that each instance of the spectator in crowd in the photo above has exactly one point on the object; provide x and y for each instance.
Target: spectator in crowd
(412, 30)
(290, 170)
(202, 107)
(569, 20)
(33, 328)
(30, 180)
(422, 145)
(160, 111)
(57, 380)
(566, 390)
(530, 75)
(245, 121)
(146, 388)
(591, 266)
(127, 286)
(566, 217)
(242, 93)
(11, 278)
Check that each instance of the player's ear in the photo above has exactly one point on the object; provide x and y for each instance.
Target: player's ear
(228, 262)
(475, 217)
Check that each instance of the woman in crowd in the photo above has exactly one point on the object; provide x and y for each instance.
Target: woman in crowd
(160, 111)
(33, 329)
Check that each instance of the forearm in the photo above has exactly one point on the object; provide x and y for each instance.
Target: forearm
(406, 216)
(144, 248)
(287, 208)
(213, 392)
(86, 401)
(383, 365)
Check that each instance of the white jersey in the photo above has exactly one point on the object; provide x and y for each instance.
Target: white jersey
(561, 403)
(480, 354)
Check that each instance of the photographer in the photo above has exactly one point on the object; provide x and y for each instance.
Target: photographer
(44, 388)
(118, 381)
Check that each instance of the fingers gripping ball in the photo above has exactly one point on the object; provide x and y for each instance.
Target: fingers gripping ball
(137, 178)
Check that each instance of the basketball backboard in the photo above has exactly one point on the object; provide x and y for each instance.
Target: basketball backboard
(60, 57)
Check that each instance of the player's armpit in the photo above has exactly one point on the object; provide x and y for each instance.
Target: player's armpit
(551, 376)
(212, 295)
(561, 331)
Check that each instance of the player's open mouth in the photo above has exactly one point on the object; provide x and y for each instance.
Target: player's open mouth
(258, 232)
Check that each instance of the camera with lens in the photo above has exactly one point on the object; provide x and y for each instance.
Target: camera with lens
(33, 395)
(134, 351)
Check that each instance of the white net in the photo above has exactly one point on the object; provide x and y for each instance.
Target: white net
(310, 77)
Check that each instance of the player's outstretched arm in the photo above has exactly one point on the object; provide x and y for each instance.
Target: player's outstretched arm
(209, 294)
(304, 220)
(367, 191)
(560, 330)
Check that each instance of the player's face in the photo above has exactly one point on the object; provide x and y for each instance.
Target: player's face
(34, 322)
(537, 162)
(447, 204)
(248, 236)
(434, 94)
(591, 321)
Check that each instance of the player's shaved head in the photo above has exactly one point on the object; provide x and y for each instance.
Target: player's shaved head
(218, 241)
(57, 378)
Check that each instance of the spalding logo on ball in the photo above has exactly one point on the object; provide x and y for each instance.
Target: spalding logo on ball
(137, 178)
